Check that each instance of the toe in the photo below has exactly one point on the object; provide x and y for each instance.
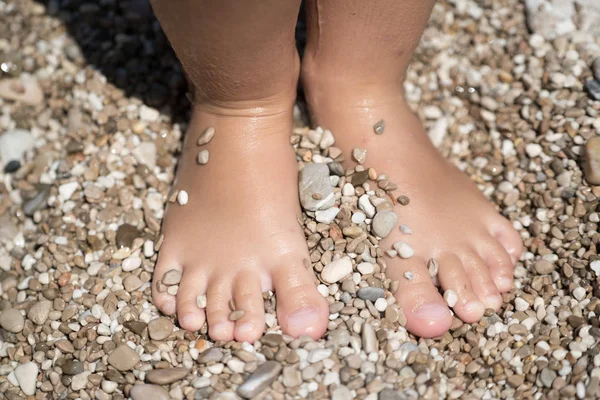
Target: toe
(427, 314)
(453, 277)
(481, 280)
(247, 294)
(508, 237)
(193, 284)
(301, 310)
(499, 262)
(217, 308)
(166, 262)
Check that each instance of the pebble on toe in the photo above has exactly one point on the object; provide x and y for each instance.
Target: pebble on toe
(314, 178)
(171, 277)
(182, 198)
(450, 297)
(379, 127)
(359, 155)
(206, 136)
(404, 250)
(203, 156)
(432, 267)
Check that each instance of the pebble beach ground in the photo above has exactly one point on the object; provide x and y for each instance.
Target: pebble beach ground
(92, 110)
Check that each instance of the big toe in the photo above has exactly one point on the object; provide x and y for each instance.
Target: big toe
(301, 310)
(427, 314)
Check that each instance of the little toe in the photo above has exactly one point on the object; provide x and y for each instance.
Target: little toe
(247, 294)
(301, 310)
(164, 301)
(508, 237)
(217, 309)
(193, 284)
(427, 314)
(481, 280)
(500, 264)
(453, 277)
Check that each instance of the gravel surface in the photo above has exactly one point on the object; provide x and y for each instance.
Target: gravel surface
(92, 108)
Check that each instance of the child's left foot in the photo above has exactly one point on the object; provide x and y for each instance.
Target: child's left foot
(452, 223)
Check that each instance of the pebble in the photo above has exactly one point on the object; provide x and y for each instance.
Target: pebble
(12, 320)
(433, 267)
(166, 376)
(370, 293)
(365, 268)
(145, 153)
(381, 304)
(336, 270)
(369, 339)
(544, 267)
(327, 216)
(211, 355)
(520, 304)
(172, 277)
(450, 297)
(379, 127)
(14, 144)
(260, 379)
(182, 198)
(38, 201)
(160, 328)
(317, 355)
(201, 301)
(533, 150)
(596, 69)
(26, 375)
(203, 156)
(237, 314)
(405, 229)
(592, 160)
(365, 204)
(38, 313)
(25, 90)
(592, 86)
(383, 223)
(72, 367)
(132, 283)
(206, 136)
(314, 179)
(126, 234)
(131, 263)
(359, 155)
(404, 250)
(149, 392)
(123, 358)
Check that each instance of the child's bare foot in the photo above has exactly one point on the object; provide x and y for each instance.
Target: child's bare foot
(238, 234)
(451, 221)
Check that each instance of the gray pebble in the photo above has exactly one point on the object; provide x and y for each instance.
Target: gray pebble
(384, 222)
(12, 320)
(167, 375)
(596, 69)
(370, 293)
(260, 379)
(592, 86)
(214, 354)
(314, 179)
(147, 392)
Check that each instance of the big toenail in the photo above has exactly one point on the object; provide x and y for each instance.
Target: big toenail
(187, 320)
(245, 328)
(303, 319)
(474, 306)
(432, 312)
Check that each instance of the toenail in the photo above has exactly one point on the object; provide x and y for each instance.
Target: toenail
(302, 320)
(505, 282)
(474, 306)
(188, 320)
(245, 328)
(432, 312)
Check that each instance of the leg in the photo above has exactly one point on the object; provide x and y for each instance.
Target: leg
(353, 72)
(231, 241)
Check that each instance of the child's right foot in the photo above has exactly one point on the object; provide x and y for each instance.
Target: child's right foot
(238, 234)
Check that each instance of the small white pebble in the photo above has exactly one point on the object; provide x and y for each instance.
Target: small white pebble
(391, 253)
(323, 290)
(520, 304)
(405, 229)
(172, 290)
(365, 268)
(201, 301)
(381, 304)
(182, 198)
(358, 217)
(450, 297)
(579, 293)
(404, 250)
(409, 275)
(203, 157)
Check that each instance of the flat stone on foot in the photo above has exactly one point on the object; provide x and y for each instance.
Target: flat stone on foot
(171, 277)
(260, 379)
(404, 250)
(359, 155)
(314, 179)
(206, 136)
(383, 223)
(203, 156)
(379, 127)
(167, 375)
